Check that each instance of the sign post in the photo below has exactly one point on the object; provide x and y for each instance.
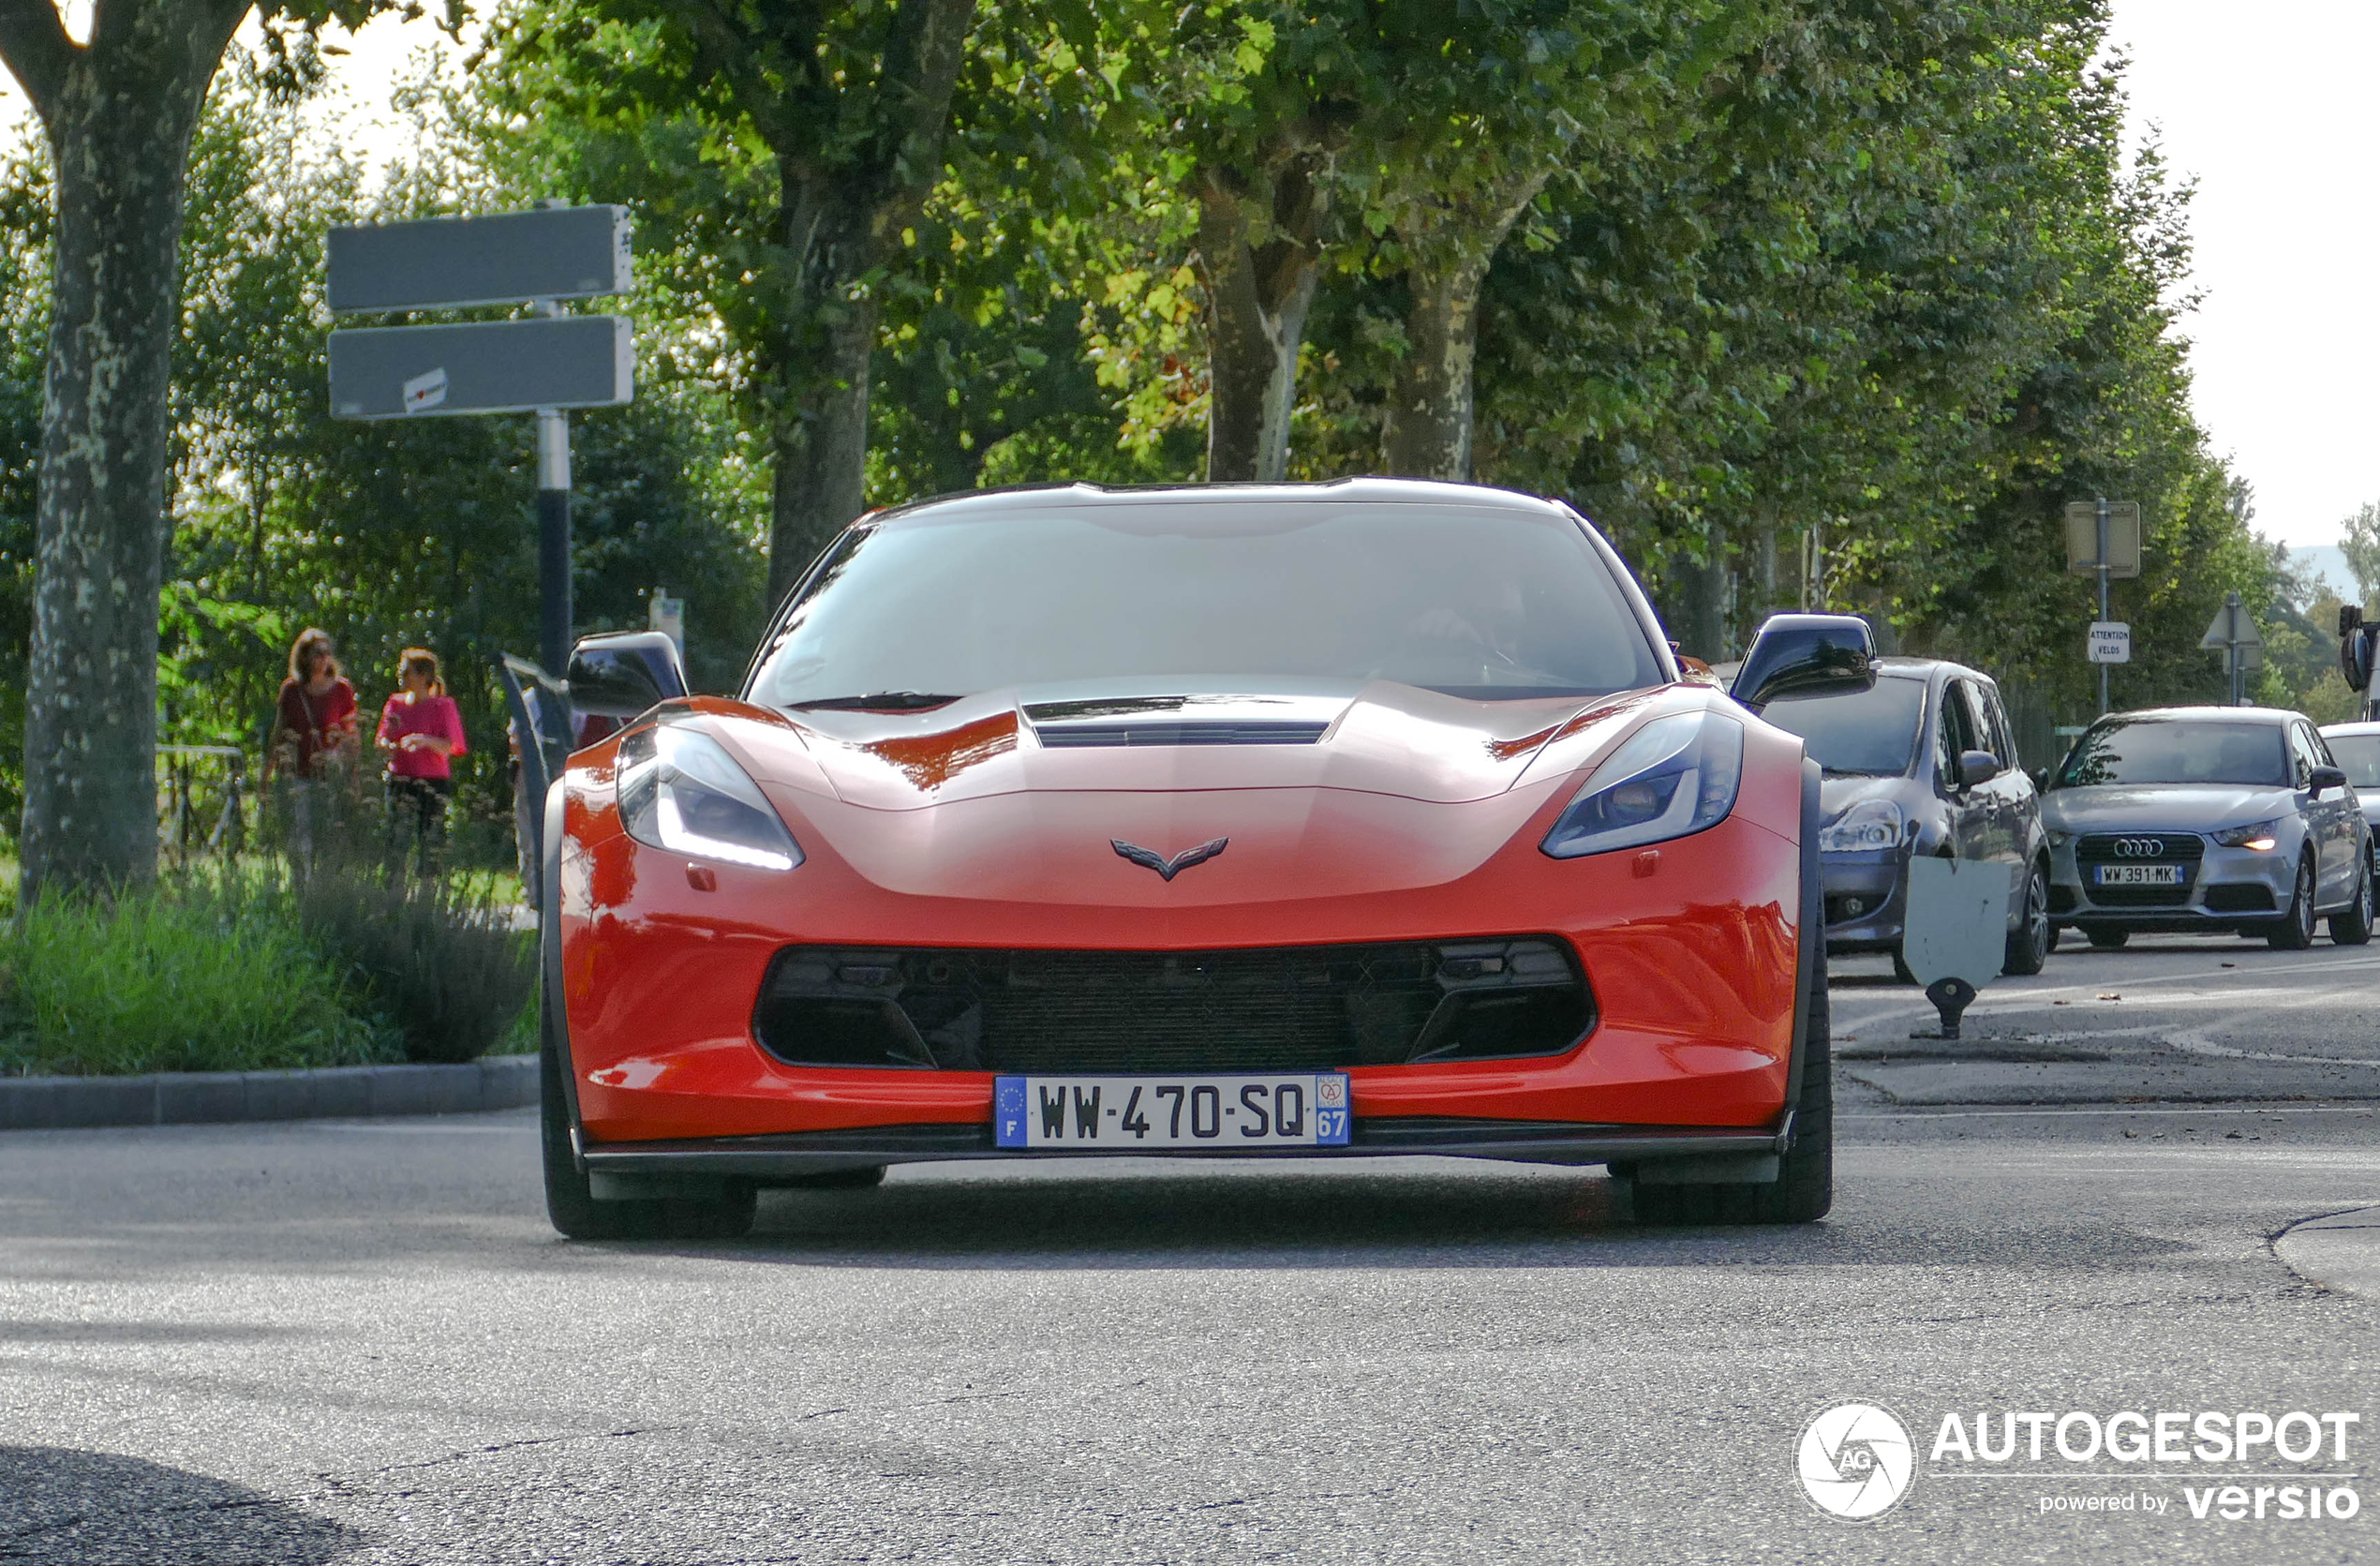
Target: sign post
(2233, 632)
(545, 364)
(2103, 536)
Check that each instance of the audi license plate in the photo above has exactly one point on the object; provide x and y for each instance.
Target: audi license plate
(2137, 876)
(1133, 1115)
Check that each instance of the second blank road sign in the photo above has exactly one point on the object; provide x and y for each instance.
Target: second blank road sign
(571, 252)
(495, 366)
(2110, 642)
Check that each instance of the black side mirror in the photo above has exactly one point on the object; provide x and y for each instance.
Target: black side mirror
(2322, 780)
(625, 673)
(1806, 655)
(1977, 766)
(2041, 779)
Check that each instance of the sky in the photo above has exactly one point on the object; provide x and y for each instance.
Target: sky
(2266, 107)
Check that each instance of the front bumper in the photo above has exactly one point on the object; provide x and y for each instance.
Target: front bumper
(1866, 900)
(630, 1170)
(2229, 888)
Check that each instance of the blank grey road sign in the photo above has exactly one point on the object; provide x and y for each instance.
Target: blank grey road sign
(2123, 537)
(571, 252)
(494, 366)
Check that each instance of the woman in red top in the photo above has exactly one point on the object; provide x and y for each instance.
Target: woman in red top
(314, 719)
(421, 731)
(313, 731)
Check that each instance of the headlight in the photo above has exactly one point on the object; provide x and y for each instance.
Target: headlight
(680, 790)
(1673, 776)
(1868, 826)
(2264, 837)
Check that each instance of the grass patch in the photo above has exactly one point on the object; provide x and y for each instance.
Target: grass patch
(174, 978)
(438, 962)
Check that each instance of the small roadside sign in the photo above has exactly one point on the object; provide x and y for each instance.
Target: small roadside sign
(2123, 537)
(489, 366)
(511, 257)
(2233, 626)
(2110, 642)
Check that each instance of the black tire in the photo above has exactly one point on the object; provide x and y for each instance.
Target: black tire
(2057, 934)
(2029, 943)
(2106, 939)
(575, 1213)
(866, 1177)
(1803, 1189)
(2294, 932)
(2351, 926)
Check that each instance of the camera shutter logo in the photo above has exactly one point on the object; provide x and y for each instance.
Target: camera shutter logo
(1856, 1461)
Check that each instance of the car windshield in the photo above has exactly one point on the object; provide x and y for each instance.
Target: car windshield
(2177, 751)
(2357, 755)
(1482, 601)
(1872, 732)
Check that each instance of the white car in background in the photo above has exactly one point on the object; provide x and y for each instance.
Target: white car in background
(2356, 747)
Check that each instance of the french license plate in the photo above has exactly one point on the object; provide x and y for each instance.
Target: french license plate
(1133, 1115)
(2136, 876)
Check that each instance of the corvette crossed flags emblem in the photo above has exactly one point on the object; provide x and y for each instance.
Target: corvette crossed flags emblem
(1163, 866)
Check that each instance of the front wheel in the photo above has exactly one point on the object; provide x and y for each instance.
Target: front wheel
(2029, 943)
(2294, 932)
(1804, 1188)
(2351, 926)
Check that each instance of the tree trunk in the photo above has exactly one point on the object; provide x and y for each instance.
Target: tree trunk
(1258, 290)
(119, 114)
(1427, 431)
(819, 433)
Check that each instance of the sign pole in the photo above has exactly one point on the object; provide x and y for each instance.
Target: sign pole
(2103, 597)
(553, 540)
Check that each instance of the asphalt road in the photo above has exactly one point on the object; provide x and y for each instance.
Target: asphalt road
(359, 1342)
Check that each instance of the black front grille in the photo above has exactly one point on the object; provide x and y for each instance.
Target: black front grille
(2139, 848)
(1256, 1009)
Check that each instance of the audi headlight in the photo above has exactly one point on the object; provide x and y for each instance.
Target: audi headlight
(2264, 837)
(680, 790)
(1867, 826)
(1673, 776)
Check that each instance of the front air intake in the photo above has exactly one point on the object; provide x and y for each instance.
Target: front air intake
(1242, 1009)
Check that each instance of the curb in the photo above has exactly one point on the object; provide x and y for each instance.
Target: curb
(2341, 1252)
(215, 1097)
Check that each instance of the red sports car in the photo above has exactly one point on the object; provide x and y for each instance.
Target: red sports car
(1313, 821)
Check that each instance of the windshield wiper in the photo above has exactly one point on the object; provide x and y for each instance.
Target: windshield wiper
(877, 701)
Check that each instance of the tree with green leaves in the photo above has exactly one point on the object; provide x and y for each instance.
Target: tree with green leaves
(117, 109)
(2359, 540)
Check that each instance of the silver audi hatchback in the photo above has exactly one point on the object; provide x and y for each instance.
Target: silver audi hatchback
(2205, 819)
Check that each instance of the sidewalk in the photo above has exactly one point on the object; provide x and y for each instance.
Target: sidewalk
(2342, 1251)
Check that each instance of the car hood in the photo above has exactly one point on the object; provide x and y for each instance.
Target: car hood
(1398, 789)
(2177, 807)
(1377, 738)
(1839, 792)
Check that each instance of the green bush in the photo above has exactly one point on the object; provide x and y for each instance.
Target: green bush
(185, 977)
(440, 966)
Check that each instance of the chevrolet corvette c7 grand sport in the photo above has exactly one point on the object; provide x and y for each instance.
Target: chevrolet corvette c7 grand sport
(1315, 821)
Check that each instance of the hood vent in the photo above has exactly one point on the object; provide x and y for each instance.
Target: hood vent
(1061, 737)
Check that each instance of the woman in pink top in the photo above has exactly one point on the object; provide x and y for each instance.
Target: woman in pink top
(420, 732)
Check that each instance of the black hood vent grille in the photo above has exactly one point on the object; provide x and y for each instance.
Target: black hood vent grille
(1061, 737)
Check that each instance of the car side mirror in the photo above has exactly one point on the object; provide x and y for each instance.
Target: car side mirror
(1977, 766)
(2322, 780)
(2041, 779)
(625, 673)
(1802, 655)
